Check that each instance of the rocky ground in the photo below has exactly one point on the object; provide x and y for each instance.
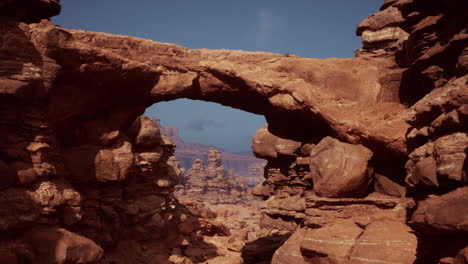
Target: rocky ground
(240, 222)
(366, 157)
(225, 200)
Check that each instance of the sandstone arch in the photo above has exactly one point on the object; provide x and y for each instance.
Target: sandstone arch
(310, 97)
(65, 91)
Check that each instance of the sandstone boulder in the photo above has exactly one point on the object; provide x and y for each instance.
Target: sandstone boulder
(293, 206)
(439, 162)
(454, 95)
(450, 155)
(339, 169)
(446, 123)
(446, 213)
(387, 18)
(265, 145)
(145, 132)
(424, 173)
(114, 164)
(385, 185)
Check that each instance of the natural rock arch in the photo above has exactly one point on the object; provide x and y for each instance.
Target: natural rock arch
(69, 92)
(301, 98)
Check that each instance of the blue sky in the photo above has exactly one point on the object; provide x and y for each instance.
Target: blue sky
(307, 28)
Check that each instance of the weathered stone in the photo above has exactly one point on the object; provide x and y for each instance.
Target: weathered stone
(385, 241)
(145, 132)
(321, 211)
(424, 173)
(339, 169)
(268, 146)
(450, 155)
(387, 18)
(453, 95)
(90, 163)
(114, 164)
(290, 251)
(383, 35)
(330, 244)
(387, 186)
(445, 213)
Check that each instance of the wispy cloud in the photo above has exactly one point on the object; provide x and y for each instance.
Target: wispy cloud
(270, 29)
(265, 25)
(199, 123)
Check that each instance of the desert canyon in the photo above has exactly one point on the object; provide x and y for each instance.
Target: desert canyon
(365, 158)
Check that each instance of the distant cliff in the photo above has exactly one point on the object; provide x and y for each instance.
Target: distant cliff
(187, 152)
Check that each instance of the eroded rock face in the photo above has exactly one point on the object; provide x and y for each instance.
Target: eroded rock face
(301, 101)
(339, 169)
(385, 241)
(445, 213)
(255, 175)
(67, 163)
(268, 146)
(350, 230)
(213, 183)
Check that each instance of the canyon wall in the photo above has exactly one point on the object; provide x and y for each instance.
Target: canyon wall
(366, 156)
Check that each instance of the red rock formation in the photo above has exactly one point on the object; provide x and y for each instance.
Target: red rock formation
(187, 152)
(213, 184)
(226, 195)
(339, 169)
(66, 163)
(256, 174)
